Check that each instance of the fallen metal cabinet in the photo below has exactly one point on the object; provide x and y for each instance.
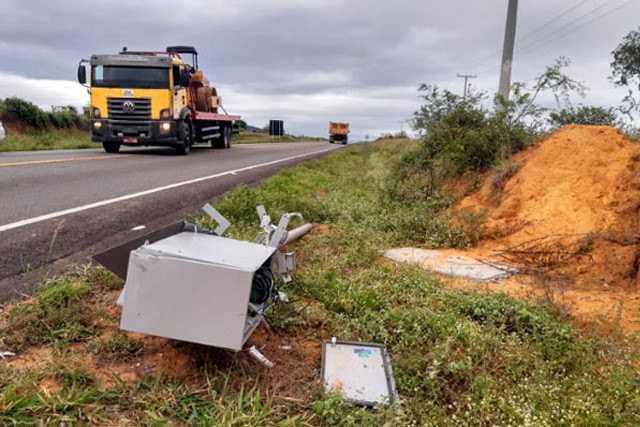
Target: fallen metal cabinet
(194, 287)
(189, 283)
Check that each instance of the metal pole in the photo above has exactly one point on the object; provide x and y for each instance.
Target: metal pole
(296, 233)
(507, 52)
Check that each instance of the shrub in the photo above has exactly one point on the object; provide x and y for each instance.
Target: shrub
(27, 112)
(584, 115)
(65, 119)
(459, 136)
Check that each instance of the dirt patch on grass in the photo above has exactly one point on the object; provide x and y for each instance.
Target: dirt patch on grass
(296, 363)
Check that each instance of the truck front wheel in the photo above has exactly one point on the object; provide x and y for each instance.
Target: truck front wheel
(111, 147)
(184, 148)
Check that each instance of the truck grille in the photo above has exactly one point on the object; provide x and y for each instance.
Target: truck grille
(121, 114)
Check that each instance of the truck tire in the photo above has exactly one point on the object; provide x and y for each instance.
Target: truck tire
(224, 140)
(184, 148)
(111, 147)
(228, 136)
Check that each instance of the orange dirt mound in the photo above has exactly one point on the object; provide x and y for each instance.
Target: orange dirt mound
(581, 180)
(572, 207)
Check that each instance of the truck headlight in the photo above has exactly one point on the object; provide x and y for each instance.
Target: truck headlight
(165, 127)
(164, 114)
(96, 113)
(97, 124)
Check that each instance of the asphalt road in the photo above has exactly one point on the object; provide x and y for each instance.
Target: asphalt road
(65, 205)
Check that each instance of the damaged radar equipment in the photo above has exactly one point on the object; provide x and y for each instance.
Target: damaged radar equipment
(189, 283)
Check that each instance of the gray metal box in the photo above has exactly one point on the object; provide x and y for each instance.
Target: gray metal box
(361, 372)
(193, 287)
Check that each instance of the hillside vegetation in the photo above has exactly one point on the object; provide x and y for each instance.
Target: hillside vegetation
(30, 128)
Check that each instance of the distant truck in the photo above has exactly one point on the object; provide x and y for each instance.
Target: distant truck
(339, 132)
(154, 98)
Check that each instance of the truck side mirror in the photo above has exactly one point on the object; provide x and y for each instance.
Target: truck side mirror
(185, 78)
(82, 74)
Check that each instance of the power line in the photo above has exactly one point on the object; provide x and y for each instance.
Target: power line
(546, 24)
(544, 41)
(531, 33)
(602, 6)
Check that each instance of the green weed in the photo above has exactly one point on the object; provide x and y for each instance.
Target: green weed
(58, 314)
(117, 347)
(258, 138)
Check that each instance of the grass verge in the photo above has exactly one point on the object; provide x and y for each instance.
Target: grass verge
(258, 138)
(46, 140)
(459, 358)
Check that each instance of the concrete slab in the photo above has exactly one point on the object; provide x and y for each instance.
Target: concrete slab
(457, 266)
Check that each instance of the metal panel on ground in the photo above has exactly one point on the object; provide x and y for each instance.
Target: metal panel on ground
(361, 372)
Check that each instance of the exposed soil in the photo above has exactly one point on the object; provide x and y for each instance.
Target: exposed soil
(569, 216)
(296, 361)
(12, 122)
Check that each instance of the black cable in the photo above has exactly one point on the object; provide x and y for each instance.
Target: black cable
(263, 285)
(535, 44)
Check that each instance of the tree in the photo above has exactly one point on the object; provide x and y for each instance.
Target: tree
(460, 135)
(625, 68)
(584, 115)
(521, 110)
(625, 71)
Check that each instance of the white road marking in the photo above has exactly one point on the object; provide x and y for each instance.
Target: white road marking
(138, 228)
(58, 214)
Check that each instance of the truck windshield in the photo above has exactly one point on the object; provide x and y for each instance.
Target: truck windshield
(129, 77)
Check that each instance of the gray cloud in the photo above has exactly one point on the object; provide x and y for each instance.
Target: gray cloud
(315, 60)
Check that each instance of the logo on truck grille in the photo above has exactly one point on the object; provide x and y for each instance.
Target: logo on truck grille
(128, 107)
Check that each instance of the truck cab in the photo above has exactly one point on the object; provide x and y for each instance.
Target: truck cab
(339, 132)
(149, 98)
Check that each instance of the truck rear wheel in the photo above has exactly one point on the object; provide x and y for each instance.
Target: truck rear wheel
(184, 148)
(228, 136)
(111, 147)
(224, 140)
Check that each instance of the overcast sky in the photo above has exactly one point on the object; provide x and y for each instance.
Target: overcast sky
(310, 61)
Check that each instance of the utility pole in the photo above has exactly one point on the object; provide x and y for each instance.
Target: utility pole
(507, 52)
(466, 78)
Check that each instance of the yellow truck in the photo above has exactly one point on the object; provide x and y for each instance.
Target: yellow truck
(153, 98)
(339, 132)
